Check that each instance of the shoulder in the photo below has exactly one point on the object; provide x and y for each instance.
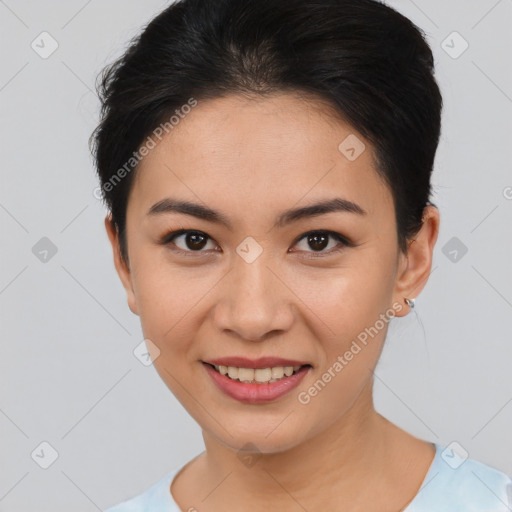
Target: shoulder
(156, 498)
(455, 483)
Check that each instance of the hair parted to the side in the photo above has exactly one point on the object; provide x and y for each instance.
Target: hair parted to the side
(372, 64)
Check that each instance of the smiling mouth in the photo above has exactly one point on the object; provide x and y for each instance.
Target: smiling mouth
(257, 375)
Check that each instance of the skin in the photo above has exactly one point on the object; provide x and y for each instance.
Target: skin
(251, 159)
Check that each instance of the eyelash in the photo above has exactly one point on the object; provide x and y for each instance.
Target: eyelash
(343, 241)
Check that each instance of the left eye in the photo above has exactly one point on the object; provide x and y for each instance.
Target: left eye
(319, 240)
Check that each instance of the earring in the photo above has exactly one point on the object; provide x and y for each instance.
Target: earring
(410, 303)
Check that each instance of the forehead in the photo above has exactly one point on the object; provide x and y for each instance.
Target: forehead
(260, 155)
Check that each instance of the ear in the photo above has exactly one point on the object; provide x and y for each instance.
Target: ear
(121, 265)
(415, 266)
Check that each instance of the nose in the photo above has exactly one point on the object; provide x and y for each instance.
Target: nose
(255, 303)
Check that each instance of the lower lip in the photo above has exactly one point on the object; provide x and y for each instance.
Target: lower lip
(256, 393)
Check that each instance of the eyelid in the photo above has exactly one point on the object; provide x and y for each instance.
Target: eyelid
(338, 236)
(168, 237)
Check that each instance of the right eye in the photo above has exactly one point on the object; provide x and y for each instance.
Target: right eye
(191, 241)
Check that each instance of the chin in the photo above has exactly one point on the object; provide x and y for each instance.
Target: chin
(267, 438)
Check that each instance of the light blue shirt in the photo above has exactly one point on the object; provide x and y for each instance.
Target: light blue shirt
(451, 484)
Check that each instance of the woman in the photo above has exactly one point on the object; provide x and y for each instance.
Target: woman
(267, 169)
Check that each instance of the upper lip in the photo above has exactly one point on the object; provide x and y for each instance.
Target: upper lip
(261, 362)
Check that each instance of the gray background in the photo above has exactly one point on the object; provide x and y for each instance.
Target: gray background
(68, 373)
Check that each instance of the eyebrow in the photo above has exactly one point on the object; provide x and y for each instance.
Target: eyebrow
(171, 205)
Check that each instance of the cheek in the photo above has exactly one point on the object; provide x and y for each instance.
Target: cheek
(348, 309)
(349, 312)
(346, 299)
(164, 295)
(169, 303)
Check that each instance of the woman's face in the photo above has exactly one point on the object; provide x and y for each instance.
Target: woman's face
(257, 287)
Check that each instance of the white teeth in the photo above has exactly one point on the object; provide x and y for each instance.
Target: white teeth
(278, 372)
(262, 374)
(245, 374)
(232, 372)
(259, 375)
